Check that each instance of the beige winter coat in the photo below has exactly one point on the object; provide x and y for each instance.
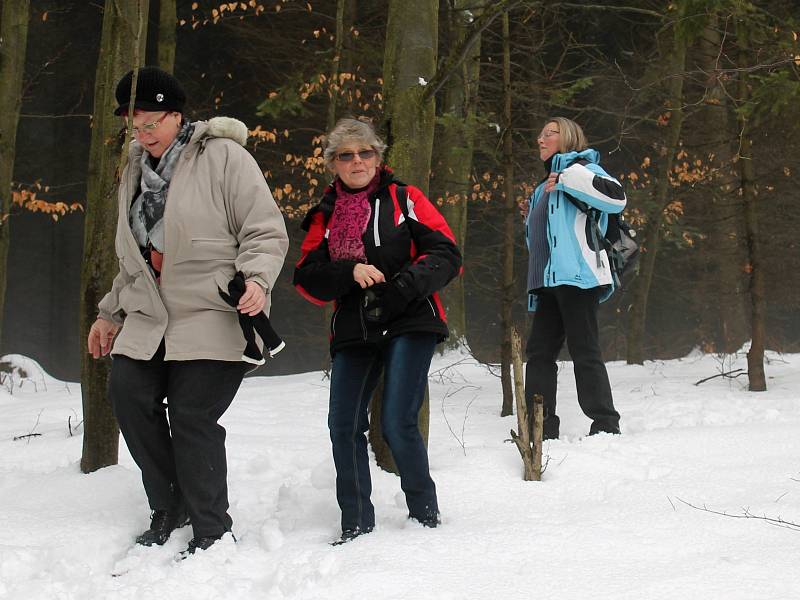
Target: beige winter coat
(220, 218)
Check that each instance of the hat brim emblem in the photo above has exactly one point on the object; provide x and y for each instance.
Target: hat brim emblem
(159, 97)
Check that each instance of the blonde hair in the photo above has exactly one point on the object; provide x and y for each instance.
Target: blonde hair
(572, 137)
(349, 130)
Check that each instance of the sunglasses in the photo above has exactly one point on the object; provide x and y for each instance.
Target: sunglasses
(362, 154)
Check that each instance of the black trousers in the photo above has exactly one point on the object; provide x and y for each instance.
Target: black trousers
(569, 312)
(182, 460)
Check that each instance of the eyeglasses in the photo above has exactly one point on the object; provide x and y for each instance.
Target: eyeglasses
(362, 154)
(137, 131)
(548, 133)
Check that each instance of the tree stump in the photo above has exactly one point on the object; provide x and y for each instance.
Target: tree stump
(529, 440)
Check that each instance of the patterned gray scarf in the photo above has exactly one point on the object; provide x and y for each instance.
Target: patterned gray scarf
(147, 211)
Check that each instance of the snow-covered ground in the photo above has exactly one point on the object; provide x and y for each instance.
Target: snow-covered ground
(606, 521)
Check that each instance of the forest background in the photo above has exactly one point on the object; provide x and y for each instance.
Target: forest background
(693, 105)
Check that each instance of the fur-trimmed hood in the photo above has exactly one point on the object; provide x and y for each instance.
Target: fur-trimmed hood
(222, 127)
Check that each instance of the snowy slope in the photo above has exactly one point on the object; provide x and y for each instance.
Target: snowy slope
(607, 520)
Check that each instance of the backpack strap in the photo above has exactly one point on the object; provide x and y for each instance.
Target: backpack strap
(401, 191)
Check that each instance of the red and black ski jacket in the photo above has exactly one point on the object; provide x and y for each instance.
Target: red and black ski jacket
(410, 241)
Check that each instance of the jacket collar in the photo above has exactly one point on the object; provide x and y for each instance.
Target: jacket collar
(562, 161)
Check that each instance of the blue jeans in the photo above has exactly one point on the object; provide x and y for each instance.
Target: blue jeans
(404, 360)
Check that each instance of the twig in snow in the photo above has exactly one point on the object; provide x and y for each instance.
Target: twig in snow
(728, 374)
(30, 434)
(444, 371)
(746, 514)
(466, 410)
(77, 424)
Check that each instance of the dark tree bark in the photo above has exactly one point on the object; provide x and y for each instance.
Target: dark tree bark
(342, 55)
(121, 45)
(455, 145)
(167, 34)
(726, 259)
(341, 63)
(13, 43)
(662, 196)
(511, 217)
(755, 356)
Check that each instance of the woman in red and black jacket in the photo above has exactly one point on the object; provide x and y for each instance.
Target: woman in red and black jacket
(380, 251)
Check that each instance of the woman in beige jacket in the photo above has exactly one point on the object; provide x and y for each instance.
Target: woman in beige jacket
(194, 210)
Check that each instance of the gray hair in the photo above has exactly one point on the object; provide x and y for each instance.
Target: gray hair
(350, 130)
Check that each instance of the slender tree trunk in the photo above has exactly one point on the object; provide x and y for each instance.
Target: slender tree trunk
(13, 43)
(456, 143)
(511, 216)
(167, 35)
(342, 56)
(755, 356)
(726, 259)
(122, 43)
(409, 63)
(345, 14)
(661, 198)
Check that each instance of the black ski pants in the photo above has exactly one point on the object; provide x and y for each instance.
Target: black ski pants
(182, 459)
(569, 312)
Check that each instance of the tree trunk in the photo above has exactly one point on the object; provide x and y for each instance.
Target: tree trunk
(726, 258)
(409, 63)
(167, 35)
(342, 56)
(755, 356)
(13, 43)
(342, 59)
(123, 27)
(661, 198)
(511, 216)
(455, 143)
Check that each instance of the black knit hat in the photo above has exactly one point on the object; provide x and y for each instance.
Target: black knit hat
(155, 90)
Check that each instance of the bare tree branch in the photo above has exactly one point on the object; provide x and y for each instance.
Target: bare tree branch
(746, 514)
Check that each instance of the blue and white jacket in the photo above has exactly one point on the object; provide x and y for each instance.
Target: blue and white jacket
(573, 259)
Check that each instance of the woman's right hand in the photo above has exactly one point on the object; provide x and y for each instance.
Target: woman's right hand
(367, 275)
(100, 335)
(551, 182)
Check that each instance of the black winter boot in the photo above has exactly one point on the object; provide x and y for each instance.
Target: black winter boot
(201, 543)
(350, 534)
(162, 524)
(431, 520)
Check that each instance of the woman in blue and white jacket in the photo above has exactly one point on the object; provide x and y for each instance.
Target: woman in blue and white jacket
(568, 276)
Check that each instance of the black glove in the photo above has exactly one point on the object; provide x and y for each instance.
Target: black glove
(384, 302)
(260, 323)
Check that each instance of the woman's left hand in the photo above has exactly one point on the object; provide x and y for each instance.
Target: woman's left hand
(253, 300)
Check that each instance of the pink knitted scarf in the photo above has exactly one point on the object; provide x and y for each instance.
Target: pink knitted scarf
(349, 221)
